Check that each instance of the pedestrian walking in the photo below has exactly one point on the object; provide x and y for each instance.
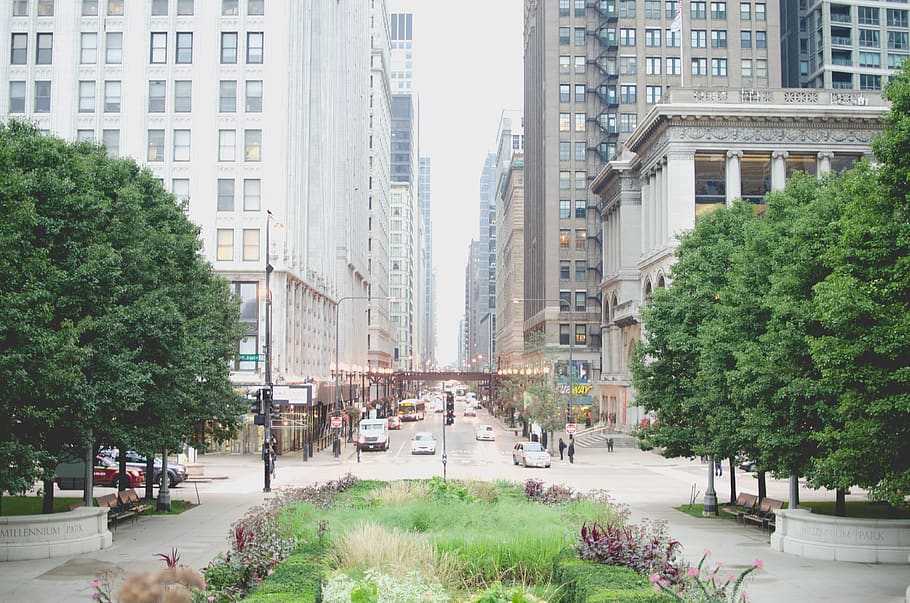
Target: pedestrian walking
(609, 444)
(571, 449)
(718, 468)
(562, 448)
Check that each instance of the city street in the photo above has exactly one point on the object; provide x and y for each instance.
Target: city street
(650, 484)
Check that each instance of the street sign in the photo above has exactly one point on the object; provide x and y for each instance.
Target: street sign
(295, 395)
(251, 357)
(570, 428)
(336, 422)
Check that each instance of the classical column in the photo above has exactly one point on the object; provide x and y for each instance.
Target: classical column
(658, 194)
(680, 195)
(824, 163)
(646, 211)
(779, 170)
(734, 180)
(664, 175)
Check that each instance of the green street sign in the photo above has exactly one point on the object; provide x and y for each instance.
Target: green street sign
(251, 357)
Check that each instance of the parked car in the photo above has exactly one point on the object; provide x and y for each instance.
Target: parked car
(748, 466)
(176, 472)
(423, 443)
(394, 423)
(469, 411)
(485, 432)
(530, 454)
(70, 474)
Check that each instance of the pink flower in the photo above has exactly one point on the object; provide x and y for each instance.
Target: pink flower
(759, 563)
(712, 576)
(707, 552)
(692, 572)
(656, 587)
(96, 583)
(211, 598)
(664, 582)
(653, 578)
(96, 596)
(720, 564)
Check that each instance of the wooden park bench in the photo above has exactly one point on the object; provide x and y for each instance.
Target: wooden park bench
(764, 514)
(116, 514)
(745, 503)
(130, 500)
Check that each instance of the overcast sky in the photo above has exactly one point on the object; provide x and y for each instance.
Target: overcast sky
(467, 70)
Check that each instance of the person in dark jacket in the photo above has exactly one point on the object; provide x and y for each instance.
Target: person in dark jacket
(562, 448)
(571, 450)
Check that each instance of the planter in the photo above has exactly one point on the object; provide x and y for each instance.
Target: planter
(802, 533)
(78, 531)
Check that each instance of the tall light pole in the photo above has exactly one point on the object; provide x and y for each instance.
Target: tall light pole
(267, 346)
(569, 418)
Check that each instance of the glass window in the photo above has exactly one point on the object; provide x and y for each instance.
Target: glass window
(228, 47)
(870, 82)
(564, 8)
(745, 67)
(869, 38)
(580, 301)
(628, 122)
(898, 40)
(581, 180)
(700, 66)
(42, 97)
(181, 145)
(225, 245)
(755, 176)
(565, 180)
(111, 141)
(17, 97)
(184, 47)
(564, 35)
(44, 49)
(579, 65)
(579, 122)
(158, 52)
(564, 64)
(628, 65)
(564, 335)
(580, 238)
(565, 209)
(628, 94)
(761, 67)
(745, 11)
(565, 151)
(674, 66)
(86, 97)
(718, 38)
(184, 7)
(580, 36)
(564, 94)
(114, 8)
(156, 96)
(20, 8)
(581, 152)
(581, 336)
(581, 270)
(45, 8)
(698, 9)
(180, 188)
(896, 61)
(579, 8)
(563, 239)
(719, 11)
(183, 96)
(252, 145)
(673, 38)
(580, 92)
(652, 9)
(225, 194)
(255, 7)
(227, 145)
(653, 37)
(653, 94)
(581, 210)
(250, 245)
(897, 18)
(18, 49)
(85, 135)
(565, 270)
(113, 50)
(88, 48)
(719, 67)
(761, 39)
(745, 39)
(230, 7)
(251, 194)
(155, 145)
(627, 9)
(710, 180)
(761, 11)
(159, 8)
(698, 38)
(565, 122)
(627, 36)
(227, 96)
(112, 96)
(254, 47)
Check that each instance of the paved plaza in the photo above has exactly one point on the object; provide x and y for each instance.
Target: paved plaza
(650, 484)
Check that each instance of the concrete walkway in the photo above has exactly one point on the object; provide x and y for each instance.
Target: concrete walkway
(648, 483)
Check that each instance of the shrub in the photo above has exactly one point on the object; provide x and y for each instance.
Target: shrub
(376, 587)
(583, 581)
(533, 488)
(645, 548)
(497, 593)
(399, 493)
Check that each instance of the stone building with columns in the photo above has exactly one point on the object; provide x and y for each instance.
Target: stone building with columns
(700, 150)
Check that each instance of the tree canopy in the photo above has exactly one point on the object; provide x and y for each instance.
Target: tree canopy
(113, 328)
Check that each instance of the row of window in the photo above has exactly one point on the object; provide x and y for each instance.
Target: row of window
(871, 15)
(628, 65)
(249, 243)
(565, 180)
(698, 38)
(565, 270)
(565, 238)
(183, 48)
(871, 38)
(565, 207)
(656, 9)
(580, 301)
(114, 8)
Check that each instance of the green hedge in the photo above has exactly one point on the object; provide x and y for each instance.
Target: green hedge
(298, 579)
(583, 581)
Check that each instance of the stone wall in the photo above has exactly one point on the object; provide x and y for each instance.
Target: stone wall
(56, 535)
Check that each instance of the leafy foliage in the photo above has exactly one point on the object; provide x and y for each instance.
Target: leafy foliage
(645, 548)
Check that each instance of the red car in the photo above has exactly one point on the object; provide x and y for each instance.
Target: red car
(394, 422)
(106, 472)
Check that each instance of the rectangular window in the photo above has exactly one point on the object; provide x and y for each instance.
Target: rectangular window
(700, 66)
(185, 7)
(628, 65)
(564, 8)
(565, 150)
(180, 188)
(252, 145)
(581, 236)
(88, 49)
(579, 8)
(225, 194)
(674, 66)
(230, 7)
(579, 122)
(227, 145)
(761, 68)
(563, 239)
(156, 96)
(565, 36)
(44, 49)
(251, 194)
(580, 300)
(227, 96)
(580, 93)
(652, 9)
(42, 97)
(565, 122)
(581, 336)
(745, 11)
(628, 122)
(670, 9)
(250, 245)
(870, 82)
(653, 38)
(761, 39)
(18, 49)
(653, 94)
(718, 38)
(627, 36)
(113, 48)
(45, 8)
(565, 269)
(20, 8)
(565, 210)
(869, 38)
(627, 9)
(184, 48)
(183, 96)
(85, 135)
(896, 61)
(698, 9)
(761, 11)
(719, 11)
(159, 8)
(581, 180)
(17, 97)
(897, 40)
(254, 96)
(255, 7)
(228, 47)
(565, 180)
(155, 145)
(225, 245)
(581, 270)
(673, 38)
(607, 121)
(564, 334)
(254, 47)
(897, 18)
(564, 94)
(745, 67)
(628, 94)
(719, 67)
(579, 65)
(86, 97)
(565, 64)
(698, 38)
(580, 36)
(158, 48)
(114, 8)
(745, 39)
(112, 96)
(181, 145)
(870, 59)
(581, 209)
(580, 151)
(111, 141)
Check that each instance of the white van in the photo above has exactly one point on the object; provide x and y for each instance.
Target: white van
(374, 434)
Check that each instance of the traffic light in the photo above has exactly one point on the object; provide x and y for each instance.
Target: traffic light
(256, 403)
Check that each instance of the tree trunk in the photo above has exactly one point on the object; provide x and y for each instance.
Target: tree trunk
(840, 503)
(150, 476)
(89, 474)
(732, 481)
(47, 501)
(762, 485)
(794, 492)
(123, 482)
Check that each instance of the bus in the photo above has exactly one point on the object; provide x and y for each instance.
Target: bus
(412, 409)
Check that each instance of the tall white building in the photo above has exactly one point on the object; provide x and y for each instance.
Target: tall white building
(243, 107)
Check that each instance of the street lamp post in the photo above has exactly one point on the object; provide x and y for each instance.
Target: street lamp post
(561, 301)
(267, 346)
